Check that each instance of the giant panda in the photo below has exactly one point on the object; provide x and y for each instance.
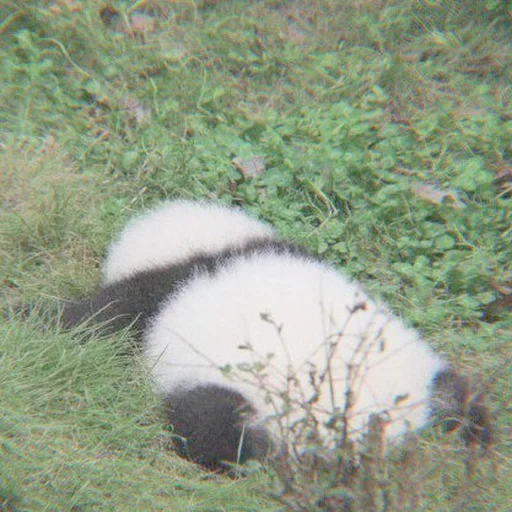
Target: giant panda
(252, 343)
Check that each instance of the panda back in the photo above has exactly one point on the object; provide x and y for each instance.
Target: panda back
(176, 231)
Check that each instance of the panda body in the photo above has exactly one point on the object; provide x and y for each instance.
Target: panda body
(177, 231)
(263, 324)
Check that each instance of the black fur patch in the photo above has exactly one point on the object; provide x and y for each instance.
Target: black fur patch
(215, 424)
(132, 301)
(456, 407)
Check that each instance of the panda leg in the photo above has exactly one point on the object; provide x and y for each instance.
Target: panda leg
(214, 424)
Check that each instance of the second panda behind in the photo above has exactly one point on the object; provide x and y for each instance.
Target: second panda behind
(252, 343)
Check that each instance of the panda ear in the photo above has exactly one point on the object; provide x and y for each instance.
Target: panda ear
(454, 406)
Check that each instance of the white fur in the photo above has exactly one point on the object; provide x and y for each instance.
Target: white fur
(204, 327)
(174, 232)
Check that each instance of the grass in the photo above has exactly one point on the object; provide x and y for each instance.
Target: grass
(385, 128)
(79, 432)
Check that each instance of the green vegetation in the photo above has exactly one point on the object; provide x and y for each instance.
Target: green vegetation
(385, 128)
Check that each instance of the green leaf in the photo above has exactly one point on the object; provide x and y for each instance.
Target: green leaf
(444, 242)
